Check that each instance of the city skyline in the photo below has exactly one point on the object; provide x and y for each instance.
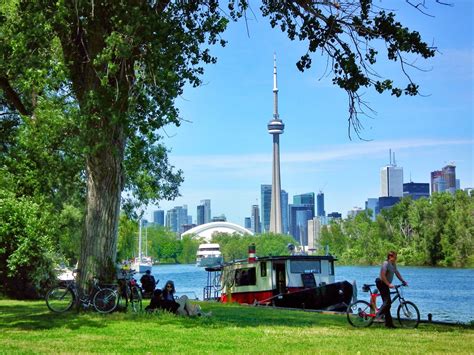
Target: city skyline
(222, 144)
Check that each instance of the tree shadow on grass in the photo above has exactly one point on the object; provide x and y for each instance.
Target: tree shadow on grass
(35, 316)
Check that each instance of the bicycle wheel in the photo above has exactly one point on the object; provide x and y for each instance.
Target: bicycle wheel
(105, 300)
(60, 299)
(359, 314)
(408, 315)
(136, 299)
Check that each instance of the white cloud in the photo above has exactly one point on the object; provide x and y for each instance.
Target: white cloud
(255, 163)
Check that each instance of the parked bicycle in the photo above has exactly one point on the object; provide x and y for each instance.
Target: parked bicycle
(130, 292)
(362, 313)
(61, 298)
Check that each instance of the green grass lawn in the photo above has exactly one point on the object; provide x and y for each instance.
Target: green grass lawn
(29, 327)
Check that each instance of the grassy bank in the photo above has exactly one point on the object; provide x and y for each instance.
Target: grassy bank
(28, 327)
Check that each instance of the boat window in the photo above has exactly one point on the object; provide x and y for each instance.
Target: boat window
(245, 277)
(331, 268)
(263, 269)
(305, 266)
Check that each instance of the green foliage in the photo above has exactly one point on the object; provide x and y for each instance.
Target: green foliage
(235, 246)
(27, 252)
(437, 231)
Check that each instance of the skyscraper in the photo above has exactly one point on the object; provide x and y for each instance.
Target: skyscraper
(299, 215)
(444, 180)
(207, 210)
(306, 199)
(320, 204)
(176, 218)
(449, 174)
(266, 202)
(200, 214)
(437, 181)
(391, 179)
(284, 211)
(275, 128)
(159, 217)
(255, 220)
(266, 198)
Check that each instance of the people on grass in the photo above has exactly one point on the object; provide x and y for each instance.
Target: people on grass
(384, 284)
(165, 299)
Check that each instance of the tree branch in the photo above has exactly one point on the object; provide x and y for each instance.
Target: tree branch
(12, 96)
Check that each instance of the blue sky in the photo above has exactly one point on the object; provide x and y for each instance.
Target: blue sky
(225, 151)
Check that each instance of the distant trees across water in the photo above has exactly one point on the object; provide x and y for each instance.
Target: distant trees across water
(435, 231)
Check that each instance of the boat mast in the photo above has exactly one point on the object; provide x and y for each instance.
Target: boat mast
(140, 239)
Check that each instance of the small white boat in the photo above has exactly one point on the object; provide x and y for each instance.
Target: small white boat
(141, 265)
(209, 254)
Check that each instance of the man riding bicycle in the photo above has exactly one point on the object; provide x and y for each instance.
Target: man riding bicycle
(384, 284)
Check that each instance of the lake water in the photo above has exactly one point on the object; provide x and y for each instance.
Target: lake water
(448, 294)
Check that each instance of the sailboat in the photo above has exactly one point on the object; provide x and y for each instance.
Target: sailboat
(142, 263)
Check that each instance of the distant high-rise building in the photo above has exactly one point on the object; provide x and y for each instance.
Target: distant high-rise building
(444, 180)
(373, 205)
(255, 220)
(354, 212)
(387, 202)
(176, 218)
(284, 211)
(172, 220)
(320, 204)
(391, 179)
(449, 174)
(200, 214)
(314, 234)
(306, 200)
(416, 190)
(207, 210)
(266, 202)
(159, 217)
(333, 216)
(266, 197)
(437, 181)
(298, 222)
(248, 223)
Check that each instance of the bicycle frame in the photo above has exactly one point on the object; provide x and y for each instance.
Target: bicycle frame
(374, 295)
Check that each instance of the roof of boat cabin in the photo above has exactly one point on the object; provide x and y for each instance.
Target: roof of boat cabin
(285, 257)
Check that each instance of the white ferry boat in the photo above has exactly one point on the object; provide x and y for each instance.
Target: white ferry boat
(209, 254)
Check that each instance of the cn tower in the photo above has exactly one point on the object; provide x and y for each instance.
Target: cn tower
(275, 128)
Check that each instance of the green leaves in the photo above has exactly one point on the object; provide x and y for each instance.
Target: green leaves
(27, 249)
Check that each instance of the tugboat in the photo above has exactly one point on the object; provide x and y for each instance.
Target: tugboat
(294, 281)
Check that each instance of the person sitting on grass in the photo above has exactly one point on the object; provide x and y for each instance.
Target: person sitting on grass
(148, 282)
(182, 305)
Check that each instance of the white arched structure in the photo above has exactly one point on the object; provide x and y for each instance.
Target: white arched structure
(206, 231)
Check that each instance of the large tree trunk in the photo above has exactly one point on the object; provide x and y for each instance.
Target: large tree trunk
(104, 187)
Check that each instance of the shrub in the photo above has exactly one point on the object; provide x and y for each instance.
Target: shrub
(26, 247)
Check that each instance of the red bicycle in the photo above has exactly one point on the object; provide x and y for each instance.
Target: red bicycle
(362, 313)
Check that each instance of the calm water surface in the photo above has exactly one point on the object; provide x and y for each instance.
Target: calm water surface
(448, 294)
